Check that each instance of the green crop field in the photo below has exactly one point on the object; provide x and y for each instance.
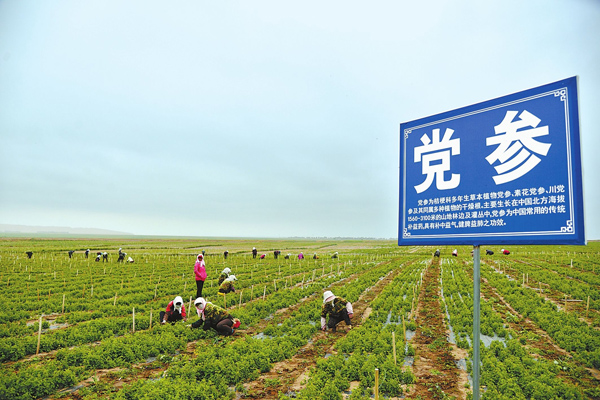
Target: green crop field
(76, 328)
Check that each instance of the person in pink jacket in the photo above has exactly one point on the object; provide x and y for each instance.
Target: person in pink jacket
(200, 271)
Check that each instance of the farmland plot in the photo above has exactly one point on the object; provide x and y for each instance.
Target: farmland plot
(411, 337)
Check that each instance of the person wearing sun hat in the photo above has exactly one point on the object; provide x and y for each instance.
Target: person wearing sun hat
(200, 272)
(227, 285)
(224, 275)
(175, 311)
(215, 317)
(338, 309)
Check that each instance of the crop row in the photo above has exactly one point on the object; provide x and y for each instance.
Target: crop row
(250, 313)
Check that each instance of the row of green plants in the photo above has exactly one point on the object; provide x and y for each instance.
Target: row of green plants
(16, 338)
(231, 362)
(508, 370)
(569, 332)
(251, 313)
(558, 279)
(370, 347)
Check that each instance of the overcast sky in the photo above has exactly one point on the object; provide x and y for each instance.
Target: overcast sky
(259, 118)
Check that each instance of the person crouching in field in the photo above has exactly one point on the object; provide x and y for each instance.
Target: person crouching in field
(215, 317)
(227, 285)
(175, 311)
(200, 272)
(338, 310)
(224, 275)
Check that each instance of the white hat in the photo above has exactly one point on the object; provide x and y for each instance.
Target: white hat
(327, 295)
(179, 300)
(200, 303)
(231, 278)
(226, 271)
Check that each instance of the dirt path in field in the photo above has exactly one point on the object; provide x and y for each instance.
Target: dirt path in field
(556, 297)
(435, 358)
(310, 352)
(543, 345)
(291, 375)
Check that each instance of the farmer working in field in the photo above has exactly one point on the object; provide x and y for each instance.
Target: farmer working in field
(437, 253)
(338, 310)
(254, 252)
(505, 252)
(224, 275)
(215, 317)
(225, 254)
(29, 254)
(489, 253)
(200, 272)
(175, 311)
(71, 253)
(276, 254)
(227, 285)
(98, 256)
(105, 256)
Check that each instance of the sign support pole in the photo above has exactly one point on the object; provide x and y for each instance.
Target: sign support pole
(476, 315)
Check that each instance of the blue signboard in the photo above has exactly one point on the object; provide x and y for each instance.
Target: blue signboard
(505, 171)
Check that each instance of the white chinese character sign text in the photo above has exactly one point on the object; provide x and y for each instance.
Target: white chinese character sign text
(504, 171)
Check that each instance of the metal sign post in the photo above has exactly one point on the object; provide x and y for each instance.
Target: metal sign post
(476, 321)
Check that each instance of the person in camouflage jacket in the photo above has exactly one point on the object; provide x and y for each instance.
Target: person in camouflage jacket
(224, 275)
(338, 310)
(227, 285)
(215, 317)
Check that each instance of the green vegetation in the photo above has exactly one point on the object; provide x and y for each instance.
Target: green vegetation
(87, 311)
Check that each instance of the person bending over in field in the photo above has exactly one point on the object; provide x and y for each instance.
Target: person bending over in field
(455, 253)
(227, 285)
(87, 253)
(254, 252)
(489, 253)
(505, 252)
(98, 256)
(175, 311)
(200, 272)
(71, 253)
(105, 257)
(215, 317)
(225, 254)
(224, 275)
(338, 310)
(276, 254)
(437, 253)
(29, 254)
(335, 255)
